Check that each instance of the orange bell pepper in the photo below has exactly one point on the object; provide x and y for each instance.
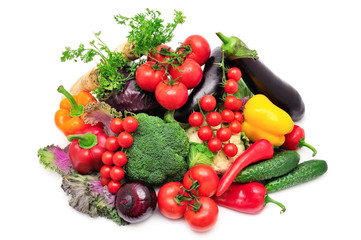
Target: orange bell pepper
(70, 117)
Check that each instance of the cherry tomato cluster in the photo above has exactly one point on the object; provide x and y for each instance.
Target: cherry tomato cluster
(230, 120)
(170, 74)
(114, 158)
(191, 199)
(233, 76)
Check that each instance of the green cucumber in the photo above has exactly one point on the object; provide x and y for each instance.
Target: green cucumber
(304, 172)
(281, 163)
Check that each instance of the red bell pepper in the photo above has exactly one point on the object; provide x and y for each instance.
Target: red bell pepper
(248, 198)
(296, 139)
(260, 150)
(86, 149)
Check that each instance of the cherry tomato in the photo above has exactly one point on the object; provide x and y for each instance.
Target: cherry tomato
(104, 181)
(224, 134)
(214, 119)
(208, 102)
(111, 143)
(189, 73)
(171, 97)
(195, 119)
(238, 116)
(116, 173)
(130, 124)
(227, 115)
(233, 103)
(201, 49)
(230, 149)
(113, 186)
(235, 126)
(231, 86)
(105, 171)
(125, 139)
(214, 144)
(166, 200)
(107, 157)
(119, 159)
(203, 219)
(147, 78)
(205, 133)
(116, 125)
(156, 56)
(234, 73)
(207, 178)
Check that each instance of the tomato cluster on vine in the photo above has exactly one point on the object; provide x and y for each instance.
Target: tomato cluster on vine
(114, 158)
(229, 119)
(170, 74)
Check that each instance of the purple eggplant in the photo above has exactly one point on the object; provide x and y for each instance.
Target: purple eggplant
(260, 79)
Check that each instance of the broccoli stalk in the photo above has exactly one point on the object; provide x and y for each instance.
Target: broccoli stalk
(159, 151)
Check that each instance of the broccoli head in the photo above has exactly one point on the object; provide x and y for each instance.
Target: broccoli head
(159, 151)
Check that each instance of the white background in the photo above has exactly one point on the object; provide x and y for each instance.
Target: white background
(313, 45)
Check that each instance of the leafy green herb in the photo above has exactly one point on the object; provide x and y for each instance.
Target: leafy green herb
(148, 30)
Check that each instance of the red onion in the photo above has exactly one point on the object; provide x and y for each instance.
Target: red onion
(135, 201)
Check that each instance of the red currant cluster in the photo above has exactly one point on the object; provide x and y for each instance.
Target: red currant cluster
(114, 158)
(230, 118)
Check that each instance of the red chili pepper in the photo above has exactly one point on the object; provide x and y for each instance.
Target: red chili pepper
(296, 139)
(248, 198)
(260, 150)
(86, 149)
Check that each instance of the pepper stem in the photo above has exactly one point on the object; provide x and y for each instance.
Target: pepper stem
(268, 199)
(86, 141)
(302, 143)
(76, 109)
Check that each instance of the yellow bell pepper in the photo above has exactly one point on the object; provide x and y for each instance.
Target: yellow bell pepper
(264, 120)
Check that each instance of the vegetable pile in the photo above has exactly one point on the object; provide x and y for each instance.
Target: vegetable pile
(187, 129)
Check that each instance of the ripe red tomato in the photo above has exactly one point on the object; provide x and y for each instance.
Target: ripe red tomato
(104, 181)
(234, 73)
(224, 134)
(205, 133)
(119, 159)
(189, 73)
(227, 115)
(196, 119)
(233, 103)
(107, 157)
(113, 186)
(235, 126)
(208, 102)
(156, 56)
(147, 78)
(130, 124)
(116, 173)
(111, 143)
(238, 116)
(166, 202)
(231, 86)
(125, 139)
(214, 118)
(171, 97)
(105, 171)
(201, 49)
(203, 219)
(230, 149)
(207, 178)
(116, 125)
(214, 144)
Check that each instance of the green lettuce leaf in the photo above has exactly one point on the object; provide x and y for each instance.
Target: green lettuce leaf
(199, 154)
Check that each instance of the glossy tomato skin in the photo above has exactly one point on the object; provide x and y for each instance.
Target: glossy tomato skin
(201, 49)
(189, 73)
(205, 218)
(166, 203)
(147, 78)
(206, 177)
(171, 97)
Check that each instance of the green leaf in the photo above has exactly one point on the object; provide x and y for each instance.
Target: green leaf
(199, 154)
